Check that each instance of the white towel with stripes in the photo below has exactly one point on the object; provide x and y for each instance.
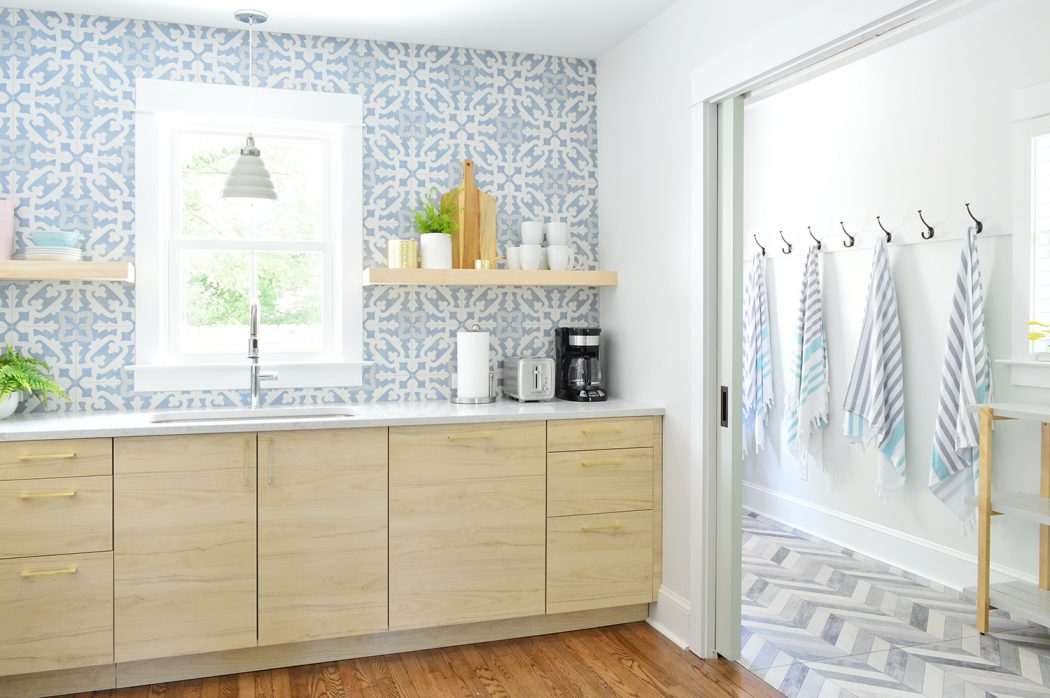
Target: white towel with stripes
(965, 379)
(874, 402)
(758, 366)
(808, 401)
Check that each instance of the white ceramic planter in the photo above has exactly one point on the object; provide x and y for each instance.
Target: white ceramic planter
(9, 404)
(436, 250)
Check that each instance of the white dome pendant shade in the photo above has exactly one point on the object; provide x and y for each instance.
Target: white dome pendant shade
(249, 178)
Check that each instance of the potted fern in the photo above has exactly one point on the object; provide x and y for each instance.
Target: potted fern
(21, 376)
(436, 224)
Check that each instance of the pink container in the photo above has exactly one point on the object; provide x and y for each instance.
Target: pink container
(7, 229)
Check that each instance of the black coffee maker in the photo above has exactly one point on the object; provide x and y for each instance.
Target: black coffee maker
(579, 373)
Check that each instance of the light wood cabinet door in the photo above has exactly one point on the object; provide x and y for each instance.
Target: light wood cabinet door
(599, 561)
(184, 544)
(322, 534)
(57, 612)
(467, 523)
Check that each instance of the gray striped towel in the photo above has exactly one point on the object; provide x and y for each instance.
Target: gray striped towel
(874, 402)
(966, 379)
(758, 365)
(808, 403)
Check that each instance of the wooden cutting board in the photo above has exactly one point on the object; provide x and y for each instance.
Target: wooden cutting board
(475, 236)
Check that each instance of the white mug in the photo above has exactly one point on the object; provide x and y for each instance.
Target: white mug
(557, 233)
(513, 257)
(559, 257)
(531, 257)
(531, 233)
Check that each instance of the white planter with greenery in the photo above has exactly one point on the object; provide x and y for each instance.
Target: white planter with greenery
(22, 376)
(436, 223)
(9, 404)
(436, 250)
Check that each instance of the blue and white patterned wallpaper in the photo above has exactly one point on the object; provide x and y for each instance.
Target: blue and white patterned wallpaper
(67, 160)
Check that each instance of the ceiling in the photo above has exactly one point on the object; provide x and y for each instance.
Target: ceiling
(580, 28)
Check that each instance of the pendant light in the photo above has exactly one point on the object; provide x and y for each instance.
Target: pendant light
(249, 179)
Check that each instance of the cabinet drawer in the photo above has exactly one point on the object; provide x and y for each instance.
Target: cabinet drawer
(21, 460)
(594, 482)
(58, 612)
(586, 434)
(55, 516)
(599, 561)
(467, 450)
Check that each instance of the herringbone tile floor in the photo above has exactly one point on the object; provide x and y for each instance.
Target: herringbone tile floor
(823, 621)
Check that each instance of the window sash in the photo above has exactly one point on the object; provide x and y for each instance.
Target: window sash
(175, 244)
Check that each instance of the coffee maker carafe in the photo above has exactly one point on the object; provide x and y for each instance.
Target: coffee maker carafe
(579, 374)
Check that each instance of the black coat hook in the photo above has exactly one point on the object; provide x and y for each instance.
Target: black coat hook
(852, 240)
(788, 249)
(980, 225)
(814, 237)
(889, 235)
(928, 233)
(759, 245)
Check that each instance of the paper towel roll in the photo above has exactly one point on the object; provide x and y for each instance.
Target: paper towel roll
(7, 229)
(472, 358)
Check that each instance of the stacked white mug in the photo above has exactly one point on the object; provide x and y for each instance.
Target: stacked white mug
(532, 255)
(558, 257)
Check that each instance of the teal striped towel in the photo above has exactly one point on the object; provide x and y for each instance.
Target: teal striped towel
(965, 379)
(874, 402)
(808, 402)
(758, 364)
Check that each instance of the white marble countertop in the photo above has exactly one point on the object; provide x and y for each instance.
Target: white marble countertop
(44, 425)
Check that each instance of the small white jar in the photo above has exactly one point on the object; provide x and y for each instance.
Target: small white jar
(436, 250)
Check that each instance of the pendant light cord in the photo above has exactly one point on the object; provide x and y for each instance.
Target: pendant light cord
(251, 76)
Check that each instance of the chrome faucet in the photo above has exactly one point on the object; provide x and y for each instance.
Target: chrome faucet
(253, 356)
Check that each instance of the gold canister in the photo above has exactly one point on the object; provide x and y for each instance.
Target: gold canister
(402, 254)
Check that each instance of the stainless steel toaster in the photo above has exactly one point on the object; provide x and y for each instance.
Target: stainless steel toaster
(528, 380)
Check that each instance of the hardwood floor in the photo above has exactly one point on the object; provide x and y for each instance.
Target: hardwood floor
(621, 660)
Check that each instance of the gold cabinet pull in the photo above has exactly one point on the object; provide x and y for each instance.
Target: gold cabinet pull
(605, 430)
(244, 461)
(48, 456)
(598, 463)
(26, 574)
(41, 495)
(269, 461)
(593, 529)
(471, 437)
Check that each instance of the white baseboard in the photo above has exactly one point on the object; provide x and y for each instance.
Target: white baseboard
(670, 615)
(936, 562)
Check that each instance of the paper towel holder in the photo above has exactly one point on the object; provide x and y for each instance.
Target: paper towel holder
(477, 400)
(456, 399)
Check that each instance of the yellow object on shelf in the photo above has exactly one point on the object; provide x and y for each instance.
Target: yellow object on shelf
(402, 254)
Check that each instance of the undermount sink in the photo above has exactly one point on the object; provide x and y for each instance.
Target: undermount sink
(221, 414)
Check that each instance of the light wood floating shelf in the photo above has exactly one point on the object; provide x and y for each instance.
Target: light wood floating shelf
(487, 277)
(38, 270)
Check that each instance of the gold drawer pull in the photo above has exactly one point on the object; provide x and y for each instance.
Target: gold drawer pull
(592, 529)
(40, 495)
(469, 437)
(607, 430)
(26, 574)
(48, 456)
(597, 463)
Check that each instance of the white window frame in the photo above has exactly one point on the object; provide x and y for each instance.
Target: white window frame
(1031, 118)
(159, 105)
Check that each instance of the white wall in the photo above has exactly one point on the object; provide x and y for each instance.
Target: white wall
(644, 204)
(922, 124)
